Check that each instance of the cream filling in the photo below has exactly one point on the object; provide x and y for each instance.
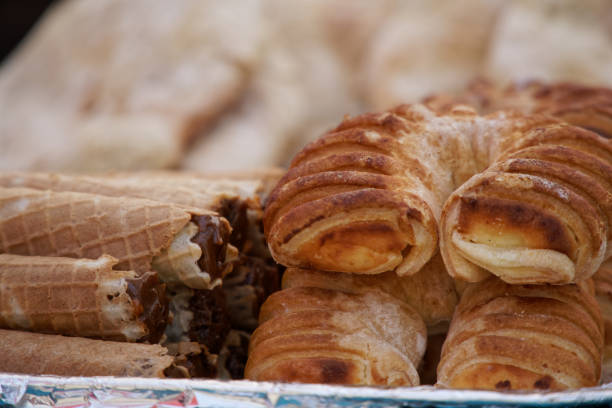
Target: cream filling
(118, 310)
(518, 265)
(356, 258)
(179, 262)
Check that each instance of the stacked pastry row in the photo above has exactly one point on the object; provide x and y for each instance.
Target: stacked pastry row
(586, 107)
(518, 205)
(137, 274)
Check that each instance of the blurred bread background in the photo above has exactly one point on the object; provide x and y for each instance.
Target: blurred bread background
(237, 84)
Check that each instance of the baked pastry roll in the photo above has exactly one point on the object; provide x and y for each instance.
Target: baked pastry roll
(430, 292)
(603, 292)
(80, 297)
(523, 337)
(540, 213)
(367, 197)
(329, 336)
(36, 354)
(589, 107)
(182, 245)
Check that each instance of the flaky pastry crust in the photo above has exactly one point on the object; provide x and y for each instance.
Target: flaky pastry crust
(502, 193)
(528, 337)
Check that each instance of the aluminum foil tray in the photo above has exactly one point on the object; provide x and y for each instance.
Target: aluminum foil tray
(102, 392)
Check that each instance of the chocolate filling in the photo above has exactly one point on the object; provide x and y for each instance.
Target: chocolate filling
(262, 275)
(189, 365)
(151, 304)
(237, 358)
(211, 323)
(235, 211)
(212, 237)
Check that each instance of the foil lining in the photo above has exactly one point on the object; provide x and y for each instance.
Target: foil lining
(107, 392)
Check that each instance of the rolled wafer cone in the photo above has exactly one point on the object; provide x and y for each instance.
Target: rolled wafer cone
(135, 231)
(261, 180)
(34, 353)
(80, 297)
(237, 199)
(167, 187)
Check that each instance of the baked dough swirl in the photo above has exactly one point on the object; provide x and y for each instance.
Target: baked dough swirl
(528, 198)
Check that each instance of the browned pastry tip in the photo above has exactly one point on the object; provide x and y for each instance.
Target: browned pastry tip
(81, 297)
(36, 354)
(315, 335)
(540, 213)
(350, 204)
(523, 337)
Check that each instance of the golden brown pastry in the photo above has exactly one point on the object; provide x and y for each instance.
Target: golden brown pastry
(603, 292)
(523, 337)
(540, 213)
(589, 107)
(81, 297)
(431, 291)
(313, 334)
(367, 197)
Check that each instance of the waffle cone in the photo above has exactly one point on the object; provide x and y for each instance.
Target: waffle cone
(79, 297)
(33, 353)
(166, 187)
(76, 225)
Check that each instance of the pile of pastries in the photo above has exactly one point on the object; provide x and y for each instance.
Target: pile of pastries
(463, 241)
(498, 200)
(131, 274)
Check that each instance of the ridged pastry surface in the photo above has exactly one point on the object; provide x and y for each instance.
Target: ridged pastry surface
(527, 337)
(430, 292)
(589, 107)
(603, 291)
(317, 335)
(505, 192)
